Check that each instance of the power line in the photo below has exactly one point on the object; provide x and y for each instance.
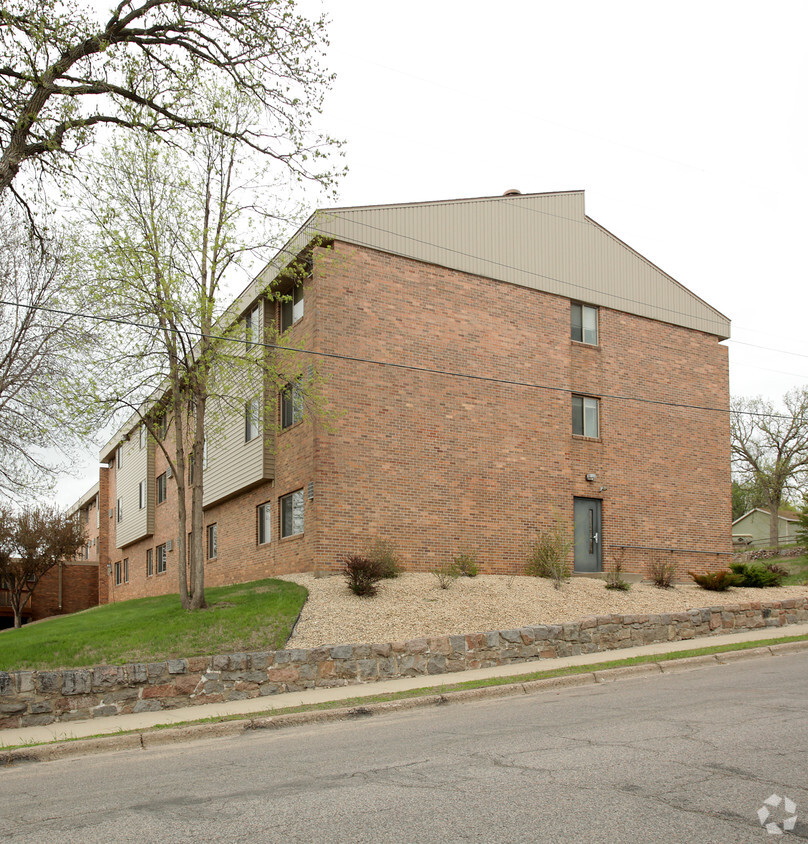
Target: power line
(404, 366)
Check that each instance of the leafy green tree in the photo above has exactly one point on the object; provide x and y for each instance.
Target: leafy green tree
(802, 530)
(770, 448)
(745, 497)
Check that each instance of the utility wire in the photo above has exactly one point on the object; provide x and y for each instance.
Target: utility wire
(405, 366)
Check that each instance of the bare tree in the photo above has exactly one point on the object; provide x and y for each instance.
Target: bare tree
(770, 448)
(64, 74)
(32, 542)
(42, 407)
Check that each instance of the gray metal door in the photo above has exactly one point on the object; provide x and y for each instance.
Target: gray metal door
(587, 534)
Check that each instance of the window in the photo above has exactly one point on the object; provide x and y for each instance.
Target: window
(119, 457)
(584, 323)
(252, 326)
(149, 562)
(118, 580)
(161, 488)
(585, 416)
(204, 455)
(97, 512)
(119, 510)
(291, 405)
(141, 495)
(161, 559)
(212, 542)
(264, 523)
(126, 570)
(292, 513)
(292, 308)
(252, 415)
(143, 436)
(190, 469)
(162, 427)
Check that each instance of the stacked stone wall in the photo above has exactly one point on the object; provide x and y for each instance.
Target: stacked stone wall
(31, 698)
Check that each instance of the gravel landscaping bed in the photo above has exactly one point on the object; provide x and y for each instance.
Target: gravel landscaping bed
(413, 605)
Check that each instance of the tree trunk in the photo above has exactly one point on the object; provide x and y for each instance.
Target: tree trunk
(197, 559)
(774, 523)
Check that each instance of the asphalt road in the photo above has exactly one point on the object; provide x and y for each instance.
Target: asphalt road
(686, 757)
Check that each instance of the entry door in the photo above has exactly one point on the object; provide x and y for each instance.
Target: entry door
(587, 534)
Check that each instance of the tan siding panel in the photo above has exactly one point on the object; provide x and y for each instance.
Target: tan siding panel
(136, 523)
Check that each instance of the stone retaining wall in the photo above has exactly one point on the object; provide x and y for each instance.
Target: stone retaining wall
(31, 698)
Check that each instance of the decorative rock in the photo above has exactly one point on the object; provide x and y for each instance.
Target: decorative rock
(6, 683)
(176, 666)
(147, 706)
(77, 682)
(342, 652)
(104, 711)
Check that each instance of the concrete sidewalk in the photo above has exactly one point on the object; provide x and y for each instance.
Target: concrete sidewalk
(146, 720)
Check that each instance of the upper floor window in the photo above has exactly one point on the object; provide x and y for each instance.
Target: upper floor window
(584, 323)
(252, 326)
(292, 308)
(119, 457)
(141, 495)
(252, 416)
(161, 488)
(143, 436)
(291, 405)
(119, 510)
(586, 416)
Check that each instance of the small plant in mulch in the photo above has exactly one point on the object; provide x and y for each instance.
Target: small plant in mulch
(446, 574)
(466, 564)
(548, 555)
(661, 572)
(384, 554)
(758, 576)
(362, 574)
(716, 581)
(614, 579)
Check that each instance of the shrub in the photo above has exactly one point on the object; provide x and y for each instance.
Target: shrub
(614, 579)
(661, 572)
(362, 575)
(548, 556)
(446, 574)
(758, 576)
(466, 564)
(716, 581)
(384, 554)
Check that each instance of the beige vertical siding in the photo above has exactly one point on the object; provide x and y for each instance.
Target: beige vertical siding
(138, 465)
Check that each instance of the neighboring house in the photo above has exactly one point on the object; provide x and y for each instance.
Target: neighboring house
(753, 527)
(494, 366)
(71, 586)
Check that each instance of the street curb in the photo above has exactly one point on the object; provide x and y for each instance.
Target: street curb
(157, 737)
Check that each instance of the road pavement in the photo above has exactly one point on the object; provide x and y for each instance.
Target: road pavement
(687, 756)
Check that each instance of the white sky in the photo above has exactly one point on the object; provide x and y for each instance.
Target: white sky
(685, 123)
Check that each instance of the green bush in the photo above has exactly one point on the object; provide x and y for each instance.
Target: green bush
(758, 576)
(466, 564)
(384, 554)
(548, 556)
(446, 574)
(716, 581)
(362, 575)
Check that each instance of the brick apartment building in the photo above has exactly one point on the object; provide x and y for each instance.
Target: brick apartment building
(492, 366)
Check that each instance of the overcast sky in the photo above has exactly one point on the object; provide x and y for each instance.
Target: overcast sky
(685, 123)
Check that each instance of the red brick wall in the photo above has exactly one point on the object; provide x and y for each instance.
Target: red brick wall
(439, 464)
(79, 590)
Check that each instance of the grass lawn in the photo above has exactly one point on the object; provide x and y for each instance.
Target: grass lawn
(245, 617)
(798, 568)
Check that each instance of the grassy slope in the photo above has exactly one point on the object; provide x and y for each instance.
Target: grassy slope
(245, 617)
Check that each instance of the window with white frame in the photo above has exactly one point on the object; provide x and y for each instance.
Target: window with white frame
(160, 553)
(586, 416)
(213, 542)
(119, 457)
(126, 570)
(252, 326)
(584, 323)
(141, 495)
(119, 510)
(292, 307)
(143, 436)
(291, 404)
(149, 562)
(252, 418)
(264, 523)
(291, 507)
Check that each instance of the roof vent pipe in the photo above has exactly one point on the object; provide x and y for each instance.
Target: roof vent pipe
(512, 192)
